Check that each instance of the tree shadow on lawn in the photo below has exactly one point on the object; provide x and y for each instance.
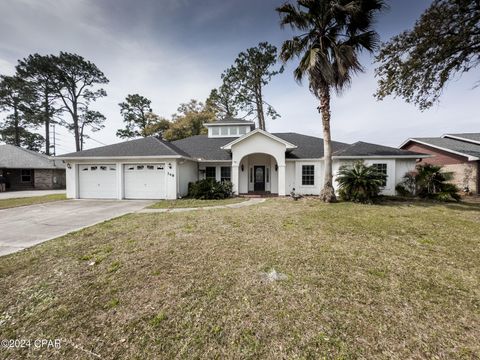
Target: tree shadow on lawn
(452, 205)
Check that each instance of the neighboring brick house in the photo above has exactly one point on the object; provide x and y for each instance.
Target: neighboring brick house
(457, 153)
(26, 169)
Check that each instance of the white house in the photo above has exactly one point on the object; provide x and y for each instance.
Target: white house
(252, 159)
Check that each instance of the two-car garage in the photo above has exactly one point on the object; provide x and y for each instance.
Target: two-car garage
(139, 181)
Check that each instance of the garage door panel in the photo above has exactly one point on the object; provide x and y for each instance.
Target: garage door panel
(145, 181)
(98, 181)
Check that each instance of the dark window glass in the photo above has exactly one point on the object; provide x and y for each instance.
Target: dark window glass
(382, 168)
(210, 172)
(308, 175)
(225, 173)
(26, 175)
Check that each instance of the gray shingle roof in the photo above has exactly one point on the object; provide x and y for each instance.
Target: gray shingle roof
(14, 157)
(309, 147)
(149, 146)
(469, 149)
(232, 120)
(361, 148)
(203, 147)
(466, 136)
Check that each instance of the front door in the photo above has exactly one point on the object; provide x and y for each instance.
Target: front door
(259, 184)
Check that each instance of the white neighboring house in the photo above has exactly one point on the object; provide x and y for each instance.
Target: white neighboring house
(255, 161)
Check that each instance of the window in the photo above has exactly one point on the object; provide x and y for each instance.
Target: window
(84, 168)
(251, 175)
(225, 173)
(131, 168)
(224, 130)
(267, 174)
(210, 172)
(26, 176)
(242, 130)
(104, 168)
(150, 167)
(113, 167)
(93, 168)
(308, 175)
(140, 167)
(215, 131)
(233, 130)
(382, 168)
(160, 167)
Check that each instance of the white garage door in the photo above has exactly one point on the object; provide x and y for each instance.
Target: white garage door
(98, 181)
(145, 181)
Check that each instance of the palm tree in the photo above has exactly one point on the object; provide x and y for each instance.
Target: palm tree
(332, 34)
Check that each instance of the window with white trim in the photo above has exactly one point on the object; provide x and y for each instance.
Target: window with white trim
(211, 172)
(215, 131)
(308, 174)
(224, 130)
(382, 168)
(225, 173)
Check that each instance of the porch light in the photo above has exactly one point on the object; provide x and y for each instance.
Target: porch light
(241, 167)
(276, 167)
(69, 166)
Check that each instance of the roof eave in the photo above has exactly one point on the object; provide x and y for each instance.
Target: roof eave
(382, 156)
(288, 145)
(448, 136)
(71, 158)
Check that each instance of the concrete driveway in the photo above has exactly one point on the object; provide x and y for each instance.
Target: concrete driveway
(28, 193)
(26, 226)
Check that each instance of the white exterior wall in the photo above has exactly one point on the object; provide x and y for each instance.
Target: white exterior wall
(187, 172)
(396, 168)
(71, 176)
(289, 176)
(402, 167)
(170, 173)
(308, 189)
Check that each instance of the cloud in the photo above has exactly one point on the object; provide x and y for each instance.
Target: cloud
(173, 50)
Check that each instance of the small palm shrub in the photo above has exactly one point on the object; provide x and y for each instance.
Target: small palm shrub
(429, 182)
(210, 189)
(360, 183)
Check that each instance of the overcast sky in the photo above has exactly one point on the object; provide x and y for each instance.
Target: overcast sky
(174, 50)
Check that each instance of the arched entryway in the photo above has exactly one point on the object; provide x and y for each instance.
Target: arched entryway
(258, 173)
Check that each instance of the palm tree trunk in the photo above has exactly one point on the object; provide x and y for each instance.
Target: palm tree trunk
(328, 192)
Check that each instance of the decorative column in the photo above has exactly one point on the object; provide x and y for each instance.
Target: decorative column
(281, 180)
(235, 179)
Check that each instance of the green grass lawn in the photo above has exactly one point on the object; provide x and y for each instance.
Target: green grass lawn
(14, 202)
(193, 203)
(399, 280)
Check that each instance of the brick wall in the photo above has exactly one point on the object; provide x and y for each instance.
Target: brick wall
(46, 179)
(439, 157)
(465, 174)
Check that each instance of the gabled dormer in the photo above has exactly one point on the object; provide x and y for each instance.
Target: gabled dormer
(229, 127)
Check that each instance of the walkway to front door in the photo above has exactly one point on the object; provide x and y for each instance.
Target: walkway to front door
(259, 184)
